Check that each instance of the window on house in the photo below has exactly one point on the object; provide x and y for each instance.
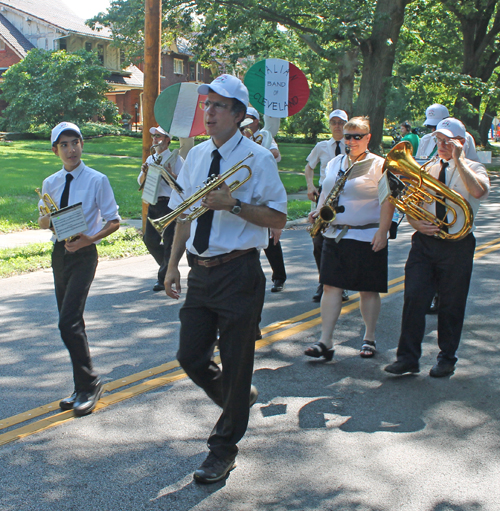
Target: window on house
(192, 71)
(201, 73)
(88, 46)
(2, 45)
(100, 53)
(178, 66)
(62, 44)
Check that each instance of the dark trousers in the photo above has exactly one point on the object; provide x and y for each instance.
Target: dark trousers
(227, 298)
(274, 254)
(158, 246)
(435, 264)
(73, 276)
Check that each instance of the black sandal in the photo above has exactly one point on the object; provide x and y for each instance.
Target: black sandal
(318, 350)
(368, 349)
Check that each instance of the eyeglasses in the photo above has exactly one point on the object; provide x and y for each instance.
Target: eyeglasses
(218, 107)
(337, 123)
(348, 136)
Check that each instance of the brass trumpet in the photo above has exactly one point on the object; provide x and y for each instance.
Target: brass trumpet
(420, 187)
(49, 206)
(212, 183)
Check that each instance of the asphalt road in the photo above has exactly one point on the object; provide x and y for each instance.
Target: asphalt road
(322, 436)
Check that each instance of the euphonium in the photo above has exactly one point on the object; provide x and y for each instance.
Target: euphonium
(420, 187)
(49, 206)
(329, 210)
(213, 182)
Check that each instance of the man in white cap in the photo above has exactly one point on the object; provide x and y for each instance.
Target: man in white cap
(226, 285)
(436, 263)
(160, 246)
(428, 148)
(74, 261)
(274, 252)
(323, 152)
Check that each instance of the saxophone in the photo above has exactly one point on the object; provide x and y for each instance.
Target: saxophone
(330, 208)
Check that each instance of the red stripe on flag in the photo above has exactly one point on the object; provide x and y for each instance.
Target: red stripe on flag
(198, 127)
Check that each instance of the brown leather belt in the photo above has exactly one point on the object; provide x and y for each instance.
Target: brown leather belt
(210, 262)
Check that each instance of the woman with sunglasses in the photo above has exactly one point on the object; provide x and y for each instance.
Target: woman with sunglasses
(355, 247)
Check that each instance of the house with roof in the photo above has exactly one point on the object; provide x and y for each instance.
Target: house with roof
(49, 25)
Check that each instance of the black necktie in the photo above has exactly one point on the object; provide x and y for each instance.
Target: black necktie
(65, 194)
(337, 150)
(440, 208)
(202, 234)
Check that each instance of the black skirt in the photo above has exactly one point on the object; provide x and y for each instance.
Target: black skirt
(353, 265)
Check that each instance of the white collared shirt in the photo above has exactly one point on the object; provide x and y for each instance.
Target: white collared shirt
(428, 144)
(231, 232)
(164, 190)
(359, 198)
(91, 188)
(273, 145)
(324, 152)
(455, 182)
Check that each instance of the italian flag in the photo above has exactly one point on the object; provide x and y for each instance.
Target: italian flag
(277, 88)
(177, 110)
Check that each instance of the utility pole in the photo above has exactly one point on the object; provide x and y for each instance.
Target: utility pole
(152, 55)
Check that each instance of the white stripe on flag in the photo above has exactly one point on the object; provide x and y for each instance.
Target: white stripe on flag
(187, 103)
(276, 91)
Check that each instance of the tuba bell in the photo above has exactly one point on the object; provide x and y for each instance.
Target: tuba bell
(418, 187)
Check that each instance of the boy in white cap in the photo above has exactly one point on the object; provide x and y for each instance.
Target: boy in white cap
(436, 263)
(160, 246)
(226, 284)
(74, 262)
(323, 152)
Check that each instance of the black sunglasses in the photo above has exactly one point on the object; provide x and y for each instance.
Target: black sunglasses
(348, 136)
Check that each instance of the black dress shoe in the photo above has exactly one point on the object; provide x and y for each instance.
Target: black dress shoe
(86, 401)
(401, 368)
(318, 294)
(345, 296)
(68, 402)
(158, 286)
(278, 286)
(442, 369)
(254, 394)
(433, 309)
(214, 469)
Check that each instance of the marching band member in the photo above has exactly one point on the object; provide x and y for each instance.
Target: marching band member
(274, 252)
(74, 262)
(323, 152)
(355, 247)
(435, 263)
(226, 284)
(160, 246)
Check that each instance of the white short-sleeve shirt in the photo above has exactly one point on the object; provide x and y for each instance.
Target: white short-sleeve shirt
(231, 232)
(323, 152)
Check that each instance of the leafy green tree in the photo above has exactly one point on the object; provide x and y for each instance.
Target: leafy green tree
(50, 87)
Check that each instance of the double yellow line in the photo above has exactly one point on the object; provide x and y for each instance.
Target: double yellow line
(170, 372)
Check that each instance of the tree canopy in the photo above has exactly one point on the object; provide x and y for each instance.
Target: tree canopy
(50, 87)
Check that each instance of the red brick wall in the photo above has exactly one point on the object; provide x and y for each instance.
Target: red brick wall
(8, 57)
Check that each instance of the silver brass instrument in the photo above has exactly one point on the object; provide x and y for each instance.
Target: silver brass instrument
(419, 188)
(212, 183)
(329, 210)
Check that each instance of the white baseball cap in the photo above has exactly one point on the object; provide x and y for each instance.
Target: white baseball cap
(253, 112)
(228, 86)
(63, 126)
(435, 114)
(451, 128)
(160, 130)
(340, 114)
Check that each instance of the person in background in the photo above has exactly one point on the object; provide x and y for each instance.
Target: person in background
(407, 134)
(323, 152)
(274, 251)
(160, 246)
(74, 261)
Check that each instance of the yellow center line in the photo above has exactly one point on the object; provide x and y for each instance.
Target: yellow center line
(287, 331)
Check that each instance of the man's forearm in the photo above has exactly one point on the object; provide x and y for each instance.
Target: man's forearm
(263, 216)
(182, 231)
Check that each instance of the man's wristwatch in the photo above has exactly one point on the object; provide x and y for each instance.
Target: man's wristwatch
(236, 208)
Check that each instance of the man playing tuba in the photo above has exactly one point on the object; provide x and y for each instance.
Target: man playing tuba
(436, 263)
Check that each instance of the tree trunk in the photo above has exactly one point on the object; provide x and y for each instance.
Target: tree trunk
(347, 70)
(378, 59)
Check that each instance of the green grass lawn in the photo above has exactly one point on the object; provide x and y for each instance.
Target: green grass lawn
(25, 164)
